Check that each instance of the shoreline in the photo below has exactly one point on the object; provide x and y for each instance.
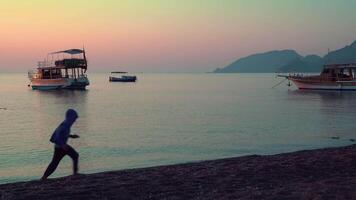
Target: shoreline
(328, 173)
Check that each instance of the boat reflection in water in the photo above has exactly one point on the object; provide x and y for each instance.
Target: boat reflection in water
(61, 70)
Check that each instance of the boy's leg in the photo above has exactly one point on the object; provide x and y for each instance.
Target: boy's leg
(75, 157)
(57, 157)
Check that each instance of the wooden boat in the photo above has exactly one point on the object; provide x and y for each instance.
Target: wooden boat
(61, 70)
(333, 77)
(122, 78)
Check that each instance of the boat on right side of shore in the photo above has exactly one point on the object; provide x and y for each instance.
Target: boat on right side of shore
(332, 77)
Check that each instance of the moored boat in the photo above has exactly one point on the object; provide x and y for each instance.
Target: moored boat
(122, 78)
(332, 77)
(61, 70)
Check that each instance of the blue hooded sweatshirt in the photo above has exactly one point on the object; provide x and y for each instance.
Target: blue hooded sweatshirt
(61, 134)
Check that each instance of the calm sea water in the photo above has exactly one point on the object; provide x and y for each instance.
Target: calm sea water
(166, 119)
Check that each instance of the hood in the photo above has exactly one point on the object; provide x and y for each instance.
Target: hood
(71, 115)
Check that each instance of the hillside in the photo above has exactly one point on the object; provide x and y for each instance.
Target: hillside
(263, 62)
(288, 61)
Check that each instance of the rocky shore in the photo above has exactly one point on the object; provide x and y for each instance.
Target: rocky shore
(311, 174)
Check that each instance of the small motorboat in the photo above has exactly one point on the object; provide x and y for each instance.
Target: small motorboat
(123, 78)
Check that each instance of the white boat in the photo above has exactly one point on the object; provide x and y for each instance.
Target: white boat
(61, 70)
(122, 78)
(333, 77)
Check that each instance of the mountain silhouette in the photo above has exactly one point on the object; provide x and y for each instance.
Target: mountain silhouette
(310, 63)
(344, 55)
(263, 62)
(289, 61)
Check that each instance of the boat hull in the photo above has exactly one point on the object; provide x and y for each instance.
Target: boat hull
(77, 84)
(48, 84)
(45, 87)
(314, 85)
(63, 83)
(125, 79)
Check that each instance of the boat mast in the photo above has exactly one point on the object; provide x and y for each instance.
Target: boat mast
(85, 60)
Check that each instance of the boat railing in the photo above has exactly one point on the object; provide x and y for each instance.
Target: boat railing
(314, 77)
(301, 75)
(346, 79)
(46, 63)
(66, 63)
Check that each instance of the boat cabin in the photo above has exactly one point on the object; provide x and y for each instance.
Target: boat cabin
(339, 72)
(63, 64)
(49, 73)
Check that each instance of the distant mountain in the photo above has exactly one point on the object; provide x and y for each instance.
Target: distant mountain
(263, 62)
(289, 61)
(310, 63)
(344, 55)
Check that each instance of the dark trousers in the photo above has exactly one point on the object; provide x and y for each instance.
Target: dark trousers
(59, 153)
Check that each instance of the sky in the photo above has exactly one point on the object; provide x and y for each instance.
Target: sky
(169, 35)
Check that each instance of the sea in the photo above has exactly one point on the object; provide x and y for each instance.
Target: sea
(166, 118)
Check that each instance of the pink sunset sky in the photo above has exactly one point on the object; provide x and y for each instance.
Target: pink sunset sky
(169, 35)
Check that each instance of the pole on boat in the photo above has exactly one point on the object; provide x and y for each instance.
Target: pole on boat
(85, 60)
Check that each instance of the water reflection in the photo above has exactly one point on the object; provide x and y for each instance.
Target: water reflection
(189, 117)
(65, 96)
(332, 93)
(337, 98)
(50, 107)
(332, 111)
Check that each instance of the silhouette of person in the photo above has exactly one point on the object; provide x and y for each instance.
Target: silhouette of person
(61, 148)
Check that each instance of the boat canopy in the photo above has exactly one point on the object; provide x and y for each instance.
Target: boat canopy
(118, 72)
(339, 66)
(70, 51)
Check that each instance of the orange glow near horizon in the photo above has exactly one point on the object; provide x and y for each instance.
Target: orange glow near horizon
(167, 35)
